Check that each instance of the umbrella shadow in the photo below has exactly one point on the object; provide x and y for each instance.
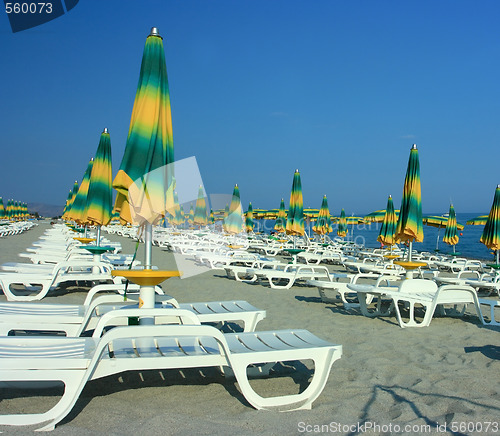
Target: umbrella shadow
(408, 396)
(490, 351)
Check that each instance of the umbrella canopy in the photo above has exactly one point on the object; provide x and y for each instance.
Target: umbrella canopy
(79, 204)
(451, 233)
(324, 222)
(211, 220)
(200, 212)
(342, 225)
(144, 182)
(378, 216)
(2, 209)
(280, 224)
(295, 218)
(234, 220)
(410, 226)
(478, 221)
(388, 228)
(100, 195)
(249, 224)
(70, 200)
(190, 217)
(438, 221)
(491, 232)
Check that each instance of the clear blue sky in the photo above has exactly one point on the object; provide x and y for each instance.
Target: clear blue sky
(338, 89)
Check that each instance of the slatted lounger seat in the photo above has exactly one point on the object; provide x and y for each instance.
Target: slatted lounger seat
(74, 361)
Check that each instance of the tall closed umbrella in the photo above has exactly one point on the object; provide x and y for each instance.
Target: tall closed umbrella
(451, 232)
(200, 211)
(280, 224)
(178, 216)
(144, 183)
(2, 209)
(388, 228)
(234, 221)
(342, 225)
(491, 232)
(410, 227)
(324, 222)
(295, 218)
(249, 224)
(149, 145)
(80, 201)
(99, 205)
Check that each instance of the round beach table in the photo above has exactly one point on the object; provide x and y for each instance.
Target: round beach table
(293, 252)
(147, 279)
(409, 266)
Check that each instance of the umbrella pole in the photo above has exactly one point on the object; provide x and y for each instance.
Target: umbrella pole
(147, 293)
(98, 240)
(437, 240)
(498, 257)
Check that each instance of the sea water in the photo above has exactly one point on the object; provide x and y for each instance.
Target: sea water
(366, 234)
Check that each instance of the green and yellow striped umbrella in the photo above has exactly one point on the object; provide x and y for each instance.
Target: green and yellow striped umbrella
(80, 202)
(342, 225)
(249, 224)
(190, 217)
(200, 212)
(451, 233)
(150, 146)
(478, 221)
(100, 195)
(410, 226)
(211, 220)
(295, 217)
(378, 216)
(73, 192)
(280, 224)
(491, 232)
(2, 209)
(178, 216)
(388, 228)
(234, 222)
(68, 202)
(324, 221)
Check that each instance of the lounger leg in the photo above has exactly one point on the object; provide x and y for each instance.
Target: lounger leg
(323, 360)
(72, 387)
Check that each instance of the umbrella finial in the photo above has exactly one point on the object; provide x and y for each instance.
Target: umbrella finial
(105, 130)
(154, 31)
(414, 147)
(297, 170)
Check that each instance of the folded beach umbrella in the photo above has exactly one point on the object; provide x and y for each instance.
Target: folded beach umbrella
(144, 181)
(295, 217)
(73, 193)
(249, 224)
(2, 209)
(68, 202)
(439, 222)
(410, 227)
(342, 225)
(200, 212)
(324, 221)
(99, 205)
(234, 222)
(211, 219)
(190, 217)
(178, 216)
(491, 232)
(451, 233)
(80, 202)
(388, 228)
(280, 225)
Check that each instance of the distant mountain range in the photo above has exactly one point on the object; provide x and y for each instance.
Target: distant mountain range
(45, 210)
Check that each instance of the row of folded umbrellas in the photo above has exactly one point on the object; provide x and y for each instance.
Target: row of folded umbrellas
(13, 210)
(143, 196)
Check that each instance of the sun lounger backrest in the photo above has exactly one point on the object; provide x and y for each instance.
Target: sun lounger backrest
(418, 285)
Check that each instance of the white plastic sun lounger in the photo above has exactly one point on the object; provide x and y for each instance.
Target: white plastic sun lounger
(74, 361)
(426, 294)
(39, 284)
(74, 320)
(285, 279)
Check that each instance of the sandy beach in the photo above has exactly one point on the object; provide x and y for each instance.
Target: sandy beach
(388, 381)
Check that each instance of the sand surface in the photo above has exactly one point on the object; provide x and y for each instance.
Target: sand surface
(387, 377)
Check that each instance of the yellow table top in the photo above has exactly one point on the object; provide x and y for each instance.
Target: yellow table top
(409, 265)
(145, 277)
